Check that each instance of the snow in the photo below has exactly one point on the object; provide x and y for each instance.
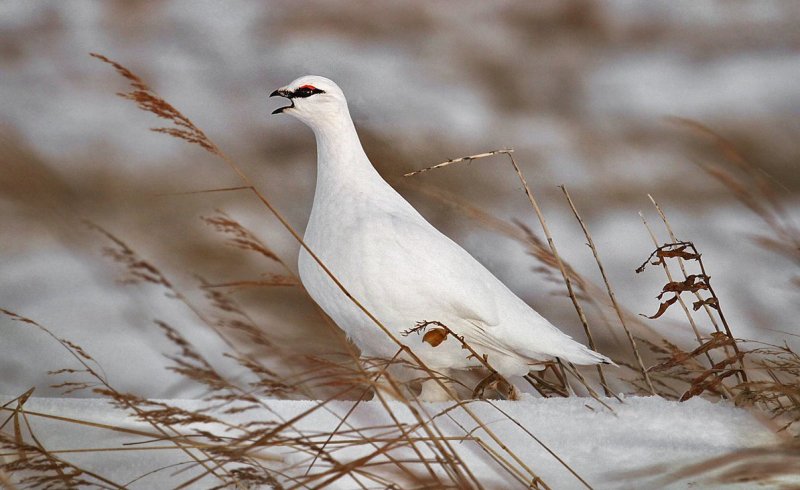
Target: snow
(604, 448)
(113, 323)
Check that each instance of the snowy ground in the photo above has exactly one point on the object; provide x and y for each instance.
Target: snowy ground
(608, 450)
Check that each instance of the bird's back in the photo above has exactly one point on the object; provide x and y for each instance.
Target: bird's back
(403, 270)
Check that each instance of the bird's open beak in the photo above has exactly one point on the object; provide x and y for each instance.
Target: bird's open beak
(282, 93)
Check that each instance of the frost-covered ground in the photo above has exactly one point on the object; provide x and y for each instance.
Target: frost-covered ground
(644, 437)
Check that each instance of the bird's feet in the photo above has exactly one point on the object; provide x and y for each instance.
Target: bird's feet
(498, 383)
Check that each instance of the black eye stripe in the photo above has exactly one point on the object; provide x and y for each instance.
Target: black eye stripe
(303, 92)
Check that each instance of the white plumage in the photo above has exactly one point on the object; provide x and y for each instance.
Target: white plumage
(401, 268)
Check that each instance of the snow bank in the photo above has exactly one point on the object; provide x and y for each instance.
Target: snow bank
(604, 448)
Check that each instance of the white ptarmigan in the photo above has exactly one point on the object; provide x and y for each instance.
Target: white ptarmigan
(401, 268)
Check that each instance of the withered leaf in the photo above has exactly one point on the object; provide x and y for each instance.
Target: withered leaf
(712, 302)
(662, 308)
(718, 339)
(692, 283)
(670, 250)
(712, 377)
(679, 252)
(435, 336)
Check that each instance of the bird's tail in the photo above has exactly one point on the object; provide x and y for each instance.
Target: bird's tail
(581, 355)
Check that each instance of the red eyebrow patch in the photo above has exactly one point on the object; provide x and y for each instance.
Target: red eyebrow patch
(309, 87)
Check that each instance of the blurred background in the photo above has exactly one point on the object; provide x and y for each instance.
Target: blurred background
(580, 89)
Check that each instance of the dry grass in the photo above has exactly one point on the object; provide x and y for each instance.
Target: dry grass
(418, 455)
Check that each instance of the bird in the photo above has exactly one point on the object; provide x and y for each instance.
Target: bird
(400, 268)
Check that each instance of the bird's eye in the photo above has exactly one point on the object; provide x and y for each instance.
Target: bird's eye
(307, 91)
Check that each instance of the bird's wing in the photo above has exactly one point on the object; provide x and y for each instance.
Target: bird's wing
(436, 273)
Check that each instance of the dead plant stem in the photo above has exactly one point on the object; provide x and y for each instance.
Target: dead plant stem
(611, 294)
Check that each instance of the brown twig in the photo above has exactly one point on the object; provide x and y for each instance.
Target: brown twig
(435, 340)
(560, 263)
(684, 307)
(693, 283)
(611, 294)
(680, 261)
(467, 159)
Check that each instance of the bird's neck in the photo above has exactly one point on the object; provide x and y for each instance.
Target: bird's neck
(340, 157)
(347, 183)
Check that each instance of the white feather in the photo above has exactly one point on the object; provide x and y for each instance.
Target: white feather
(401, 268)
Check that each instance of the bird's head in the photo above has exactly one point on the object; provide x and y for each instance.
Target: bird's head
(312, 99)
